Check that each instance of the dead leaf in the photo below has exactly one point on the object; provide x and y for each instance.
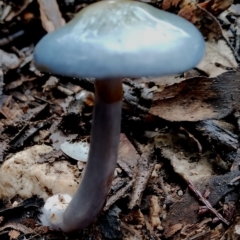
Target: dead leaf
(51, 83)
(10, 110)
(198, 231)
(135, 217)
(198, 98)
(206, 22)
(170, 3)
(216, 7)
(174, 228)
(10, 113)
(191, 13)
(174, 147)
(13, 234)
(18, 82)
(127, 157)
(15, 12)
(218, 58)
(185, 211)
(233, 233)
(50, 15)
(8, 60)
(18, 227)
(154, 212)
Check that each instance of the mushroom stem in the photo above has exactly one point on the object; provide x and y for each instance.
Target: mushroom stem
(96, 182)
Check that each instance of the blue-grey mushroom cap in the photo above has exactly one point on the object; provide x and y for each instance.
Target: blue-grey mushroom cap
(121, 38)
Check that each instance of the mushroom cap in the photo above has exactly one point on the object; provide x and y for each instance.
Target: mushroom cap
(121, 38)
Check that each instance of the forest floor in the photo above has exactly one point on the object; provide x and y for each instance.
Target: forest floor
(177, 174)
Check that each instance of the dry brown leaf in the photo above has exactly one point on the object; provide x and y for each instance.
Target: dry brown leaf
(17, 226)
(127, 156)
(182, 159)
(216, 7)
(10, 110)
(50, 84)
(154, 212)
(50, 15)
(185, 211)
(8, 60)
(206, 22)
(191, 13)
(15, 12)
(170, 3)
(10, 114)
(198, 98)
(18, 82)
(135, 217)
(218, 58)
(233, 233)
(174, 228)
(13, 234)
(196, 231)
(188, 170)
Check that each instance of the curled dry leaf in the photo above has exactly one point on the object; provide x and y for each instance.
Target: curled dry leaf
(8, 60)
(170, 3)
(154, 212)
(233, 232)
(13, 234)
(219, 56)
(174, 147)
(50, 15)
(17, 227)
(198, 98)
(17, 83)
(50, 84)
(15, 12)
(206, 22)
(216, 7)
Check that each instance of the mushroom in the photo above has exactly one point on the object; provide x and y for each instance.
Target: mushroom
(110, 40)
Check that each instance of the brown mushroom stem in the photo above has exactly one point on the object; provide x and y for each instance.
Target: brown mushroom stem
(96, 182)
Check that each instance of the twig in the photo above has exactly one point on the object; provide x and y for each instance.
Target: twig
(10, 38)
(194, 139)
(18, 227)
(207, 203)
(234, 180)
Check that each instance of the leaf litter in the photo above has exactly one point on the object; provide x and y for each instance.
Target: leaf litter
(177, 174)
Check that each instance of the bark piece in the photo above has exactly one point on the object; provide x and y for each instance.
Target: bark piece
(198, 98)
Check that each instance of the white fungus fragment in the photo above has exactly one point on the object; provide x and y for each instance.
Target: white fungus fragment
(53, 209)
(78, 150)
